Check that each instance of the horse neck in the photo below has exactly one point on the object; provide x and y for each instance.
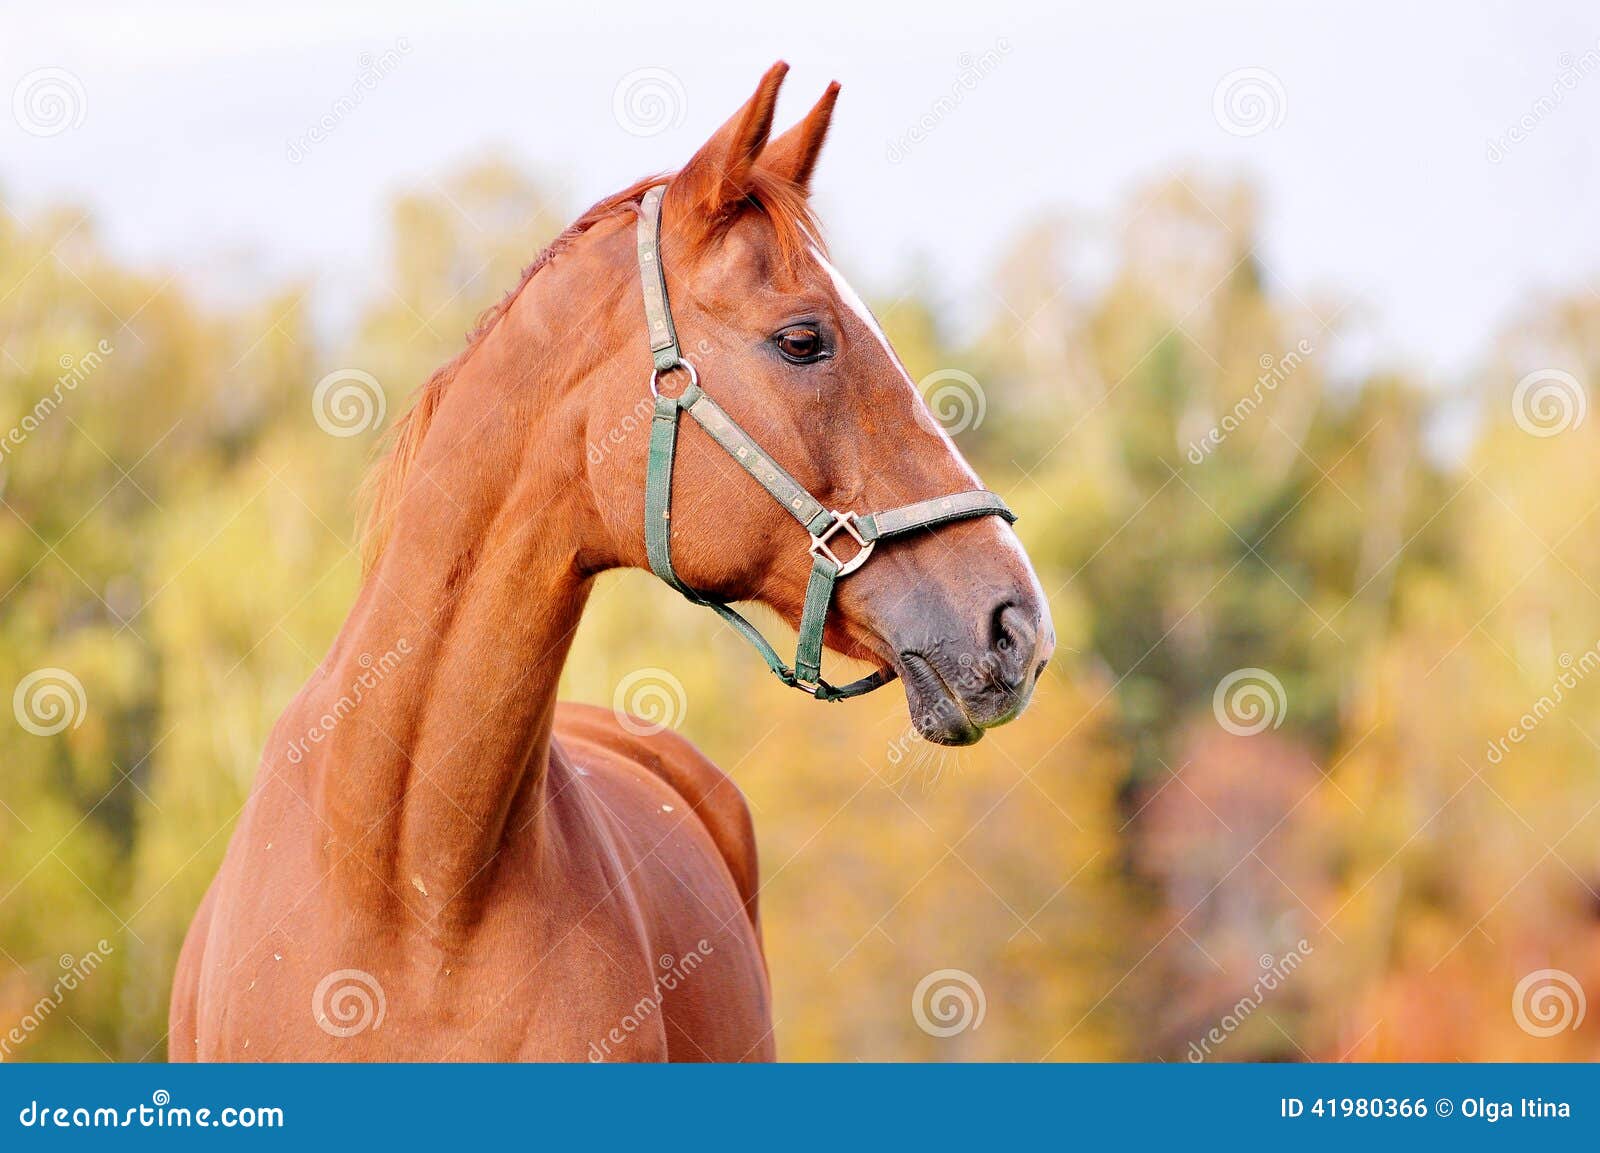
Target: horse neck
(468, 615)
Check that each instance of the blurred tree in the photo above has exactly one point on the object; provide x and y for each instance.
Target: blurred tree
(1204, 497)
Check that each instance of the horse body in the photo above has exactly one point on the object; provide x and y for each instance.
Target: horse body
(620, 926)
(509, 873)
(439, 862)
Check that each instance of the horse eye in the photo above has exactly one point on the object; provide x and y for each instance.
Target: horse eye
(801, 345)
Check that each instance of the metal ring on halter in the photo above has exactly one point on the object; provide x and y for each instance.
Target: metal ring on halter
(845, 521)
(683, 362)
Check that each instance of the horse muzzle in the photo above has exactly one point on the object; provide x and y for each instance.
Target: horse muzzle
(963, 678)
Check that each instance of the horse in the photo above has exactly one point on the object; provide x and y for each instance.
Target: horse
(440, 861)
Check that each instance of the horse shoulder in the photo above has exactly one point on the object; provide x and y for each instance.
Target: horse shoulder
(709, 792)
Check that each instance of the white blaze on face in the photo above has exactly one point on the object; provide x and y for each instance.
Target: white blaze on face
(1005, 533)
(925, 417)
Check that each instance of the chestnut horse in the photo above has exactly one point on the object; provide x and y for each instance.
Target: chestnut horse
(438, 860)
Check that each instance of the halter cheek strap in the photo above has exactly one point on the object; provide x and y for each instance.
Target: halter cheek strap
(823, 524)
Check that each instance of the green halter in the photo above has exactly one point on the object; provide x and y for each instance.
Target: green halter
(823, 524)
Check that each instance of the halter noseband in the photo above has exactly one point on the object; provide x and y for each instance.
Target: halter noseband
(822, 523)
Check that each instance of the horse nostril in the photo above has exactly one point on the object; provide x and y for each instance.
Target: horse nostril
(1013, 642)
(999, 632)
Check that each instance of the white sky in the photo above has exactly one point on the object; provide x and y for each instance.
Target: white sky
(1376, 183)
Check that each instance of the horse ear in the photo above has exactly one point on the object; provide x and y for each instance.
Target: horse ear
(719, 173)
(793, 155)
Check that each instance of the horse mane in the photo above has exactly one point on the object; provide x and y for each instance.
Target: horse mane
(781, 201)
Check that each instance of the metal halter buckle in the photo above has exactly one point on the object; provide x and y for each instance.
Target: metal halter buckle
(683, 362)
(847, 522)
(806, 686)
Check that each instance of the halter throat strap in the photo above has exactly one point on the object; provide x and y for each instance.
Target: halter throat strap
(824, 525)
